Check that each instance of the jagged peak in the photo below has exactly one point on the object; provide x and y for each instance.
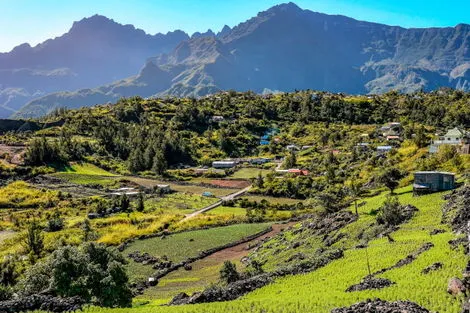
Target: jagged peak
(289, 6)
(208, 33)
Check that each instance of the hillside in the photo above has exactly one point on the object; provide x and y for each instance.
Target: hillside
(122, 207)
(95, 51)
(287, 48)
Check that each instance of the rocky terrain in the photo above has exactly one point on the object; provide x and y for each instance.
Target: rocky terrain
(375, 306)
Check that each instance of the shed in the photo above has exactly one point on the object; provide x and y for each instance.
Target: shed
(223, 164)
(207, 194)
(431, 181)
(164, 188)
(264, 142)
(384, 149)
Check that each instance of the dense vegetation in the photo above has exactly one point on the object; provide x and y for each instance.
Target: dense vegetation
(97, 177)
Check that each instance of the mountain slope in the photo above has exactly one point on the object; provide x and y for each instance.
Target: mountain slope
(287, 48)
(95, 51)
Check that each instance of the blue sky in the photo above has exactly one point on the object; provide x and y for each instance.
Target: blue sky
(34, 21)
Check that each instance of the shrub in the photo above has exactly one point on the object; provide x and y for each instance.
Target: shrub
(390, 212)
(228, 272)
(92, 272)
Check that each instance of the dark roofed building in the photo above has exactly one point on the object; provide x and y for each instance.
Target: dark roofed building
(432, 181)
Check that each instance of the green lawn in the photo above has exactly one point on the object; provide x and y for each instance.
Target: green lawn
(249, 172)
(179, 247)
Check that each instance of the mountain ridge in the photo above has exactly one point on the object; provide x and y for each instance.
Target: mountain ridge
(287, 48)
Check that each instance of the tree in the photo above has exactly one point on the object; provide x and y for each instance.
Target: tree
(259, 181)
(88, 233)
(140, 202)
(92, 272)
(355, 189)
(290, 160)
(159, 163)
(390, 212)
(228, 272)
(55, 223)
(9, 271)
(124, 203)
(420, 138)
(34, 241)
(390, 178)
(328, 200)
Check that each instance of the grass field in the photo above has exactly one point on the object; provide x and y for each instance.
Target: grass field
(249, 172)
(179, 247)
(225, 210)
(324, 289)
(182, 203)
(85, 174)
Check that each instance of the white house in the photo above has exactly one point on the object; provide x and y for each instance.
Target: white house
(454, 137)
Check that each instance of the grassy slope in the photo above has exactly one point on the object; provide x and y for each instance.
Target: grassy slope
(85, 173)
(322, 290)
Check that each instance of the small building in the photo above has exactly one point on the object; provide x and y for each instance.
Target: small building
(362, 146)
(259, 161)
(265, 137)
(125, 191)
(391, 129)
(454, 137)
(217, 118)
(432, 181)
(224, 164)
(393, 138)
(164, 188)
(306, 147)
(292, 147)
(207, 194)
(297, 171)
(263, 142)
(381, 150)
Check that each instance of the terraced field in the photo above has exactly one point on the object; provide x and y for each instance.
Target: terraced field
(324, 289)
(181, 246)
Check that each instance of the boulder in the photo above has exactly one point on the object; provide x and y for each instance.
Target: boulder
(456, 287)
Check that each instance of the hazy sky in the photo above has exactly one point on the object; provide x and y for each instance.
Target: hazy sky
(34, 21)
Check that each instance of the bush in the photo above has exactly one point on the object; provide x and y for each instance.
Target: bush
(56, 223)
(390, 212)
(228, 273)
(92, 272)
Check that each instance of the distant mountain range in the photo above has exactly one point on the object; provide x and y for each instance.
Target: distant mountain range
(281, 49)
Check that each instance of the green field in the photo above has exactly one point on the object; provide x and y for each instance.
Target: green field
(179, 247)
(249, 172)
(179, 203)
(324, 289)
(85, 174)
(224, 210)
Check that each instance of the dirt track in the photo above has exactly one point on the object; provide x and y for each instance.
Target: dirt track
(240, 251)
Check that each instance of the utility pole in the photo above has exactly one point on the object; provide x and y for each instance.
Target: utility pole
(368, 264)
